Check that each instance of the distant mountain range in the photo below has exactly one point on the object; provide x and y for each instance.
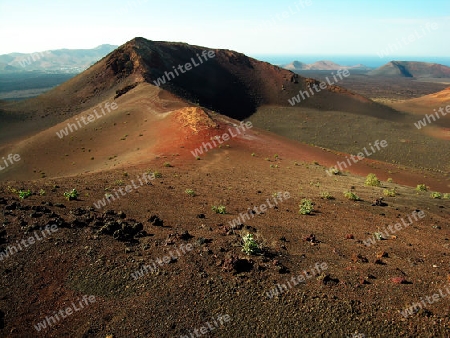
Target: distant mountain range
(412, 69)
(58, 60)
(321, 65)
(401, 69)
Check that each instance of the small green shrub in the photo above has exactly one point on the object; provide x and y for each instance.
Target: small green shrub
(306, 207)
(436, 195)
(167, 165)
(372, 180)
(317, 184)
(421, 187)
(24, 194)
(71, 195)
(190, 192)
(390, 192)
(11, 189)
(155, 174)
(326, 196)
(249, 245)
(351, 196)
(221, 209)
(446, 196)
(42, 192)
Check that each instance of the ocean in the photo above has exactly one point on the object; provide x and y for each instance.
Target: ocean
(369, 61)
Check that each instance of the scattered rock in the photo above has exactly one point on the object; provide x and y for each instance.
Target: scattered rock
(250, 228)
(2, 235)
(282, 269)
(202, 241)
(78, 224)
(12, 206)
(326, 279)
(156, 221)
(237, 265)
(399, 280)
(128, 231)
(363, 280)
(109, 228)
(78, 211)
(238, 227)
(379, 202)
(424, 312)
(41, 209)
(173, 237)
(312, 239)
(359, 258)
(185, 235)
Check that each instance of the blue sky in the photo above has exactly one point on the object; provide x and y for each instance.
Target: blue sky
(325, 27)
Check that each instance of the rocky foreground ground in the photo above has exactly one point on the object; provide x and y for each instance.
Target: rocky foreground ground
(160, 262)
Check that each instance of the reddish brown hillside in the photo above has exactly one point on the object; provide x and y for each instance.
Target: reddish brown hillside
(229, 83)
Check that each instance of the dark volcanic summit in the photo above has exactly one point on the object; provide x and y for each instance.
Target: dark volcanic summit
(230, 82)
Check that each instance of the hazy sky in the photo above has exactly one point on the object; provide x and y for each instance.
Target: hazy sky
(327, 27)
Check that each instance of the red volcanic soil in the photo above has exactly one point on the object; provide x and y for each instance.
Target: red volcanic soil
(426, 104)
(135, 133)
(358, 289)
(431, 104)
(143, 238)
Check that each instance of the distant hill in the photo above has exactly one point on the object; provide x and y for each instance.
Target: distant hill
(296, 65)
(412, 69)
(58, 60)
(321, 65)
